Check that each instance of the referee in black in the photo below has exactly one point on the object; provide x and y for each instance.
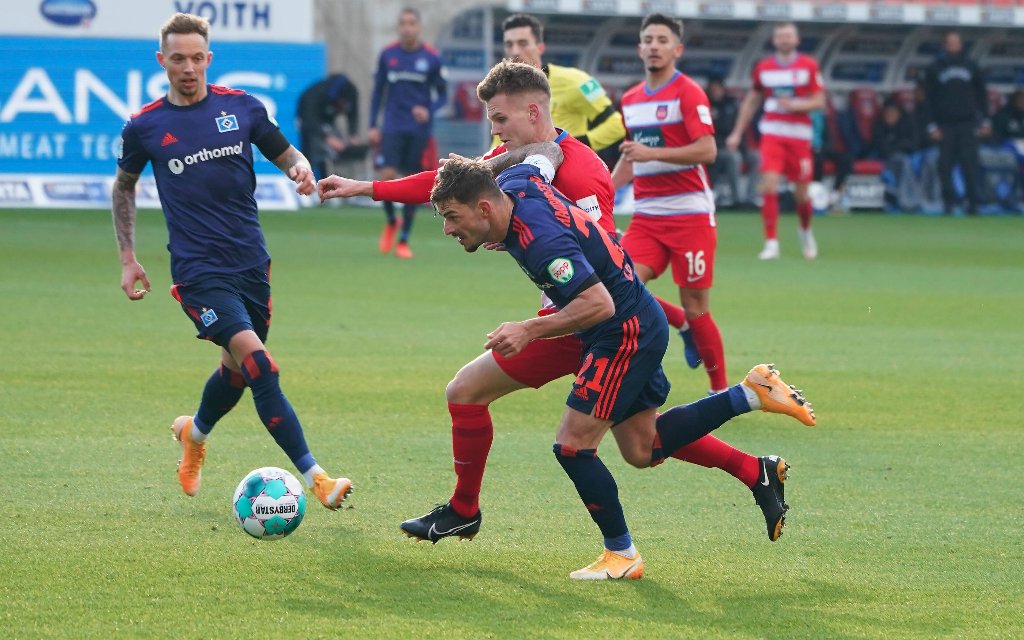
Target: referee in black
(958, 104)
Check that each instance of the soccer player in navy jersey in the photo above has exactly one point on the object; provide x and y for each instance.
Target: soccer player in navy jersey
(199, 139)
(517, 99)
(591, 281)
(410, 86)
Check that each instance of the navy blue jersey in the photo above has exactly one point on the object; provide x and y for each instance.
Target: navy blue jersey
(202, 162)
(564, 252)
(407, 79)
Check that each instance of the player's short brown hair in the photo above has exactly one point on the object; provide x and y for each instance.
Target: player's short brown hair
(517, 20)
(674, 24)
(463, 180)
(183, 23)
(512, 78)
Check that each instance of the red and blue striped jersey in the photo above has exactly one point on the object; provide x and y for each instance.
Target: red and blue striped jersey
(202, 160)
(564, 251)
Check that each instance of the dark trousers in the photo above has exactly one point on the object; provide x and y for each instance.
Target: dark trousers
(959, 145)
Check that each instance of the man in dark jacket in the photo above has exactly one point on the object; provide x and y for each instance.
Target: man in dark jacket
(958, 103)
(728, 166)
(319, 106)
(894, 141)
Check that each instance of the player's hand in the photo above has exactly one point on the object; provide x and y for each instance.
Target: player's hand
(335, 143)
(338, 187)
(451, 156)
(635, 151)
(373, 136)
(302, 175)
(732, 143)
(421, 114)
(508, 339)
(131, 273)
(495, 246)
(786, 104)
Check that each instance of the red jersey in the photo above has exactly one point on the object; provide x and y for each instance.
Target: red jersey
(798, 79)
(583, 178)
(674, 115)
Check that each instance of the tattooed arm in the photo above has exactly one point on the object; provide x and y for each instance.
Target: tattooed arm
(549, 150)
(123, 210)
(296, 167)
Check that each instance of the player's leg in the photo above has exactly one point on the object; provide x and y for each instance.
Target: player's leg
(213, 304)
(387, 162)
(650, 256)
(772, 162)
(479, 383)
(693, 242)
(411, 162)
(621, 377)
(800, 173)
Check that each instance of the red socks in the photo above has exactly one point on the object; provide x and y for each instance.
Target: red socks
(709, 345)
(472, 434)
(806, 212)
(770, 216)
(675, 314)
(711, 452)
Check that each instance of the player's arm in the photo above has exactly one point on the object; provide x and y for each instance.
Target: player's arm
(622, 174)
(123, 211)
(813, 102)
(748, 108)
(703, 150)
(604, 122)
(414, 189)
(591, 306)
(295, 165)
(380, 80)
(550, 150)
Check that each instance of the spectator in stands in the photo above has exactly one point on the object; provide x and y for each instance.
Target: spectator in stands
(925, 159)
(728, 167)
(1008, 123)
(958, 104)
(894, 141)
(319, 107)
(1003, 156)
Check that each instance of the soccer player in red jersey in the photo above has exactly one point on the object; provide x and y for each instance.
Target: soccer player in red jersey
(517, 106)
(670, 139)
(789, 83)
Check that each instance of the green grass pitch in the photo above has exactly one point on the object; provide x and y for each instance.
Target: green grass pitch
(906, 522)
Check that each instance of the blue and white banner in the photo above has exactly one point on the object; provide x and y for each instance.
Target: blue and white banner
(63, 102)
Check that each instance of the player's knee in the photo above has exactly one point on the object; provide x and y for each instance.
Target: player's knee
(259, 369)
(637, 459)
(462, 390)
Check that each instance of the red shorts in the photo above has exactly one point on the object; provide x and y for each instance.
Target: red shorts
(543, 360)
(688, 242)
(787, 156)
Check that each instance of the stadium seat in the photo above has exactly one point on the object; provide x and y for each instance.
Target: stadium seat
(467, 106)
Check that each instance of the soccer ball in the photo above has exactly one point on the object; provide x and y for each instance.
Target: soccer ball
(269, 503)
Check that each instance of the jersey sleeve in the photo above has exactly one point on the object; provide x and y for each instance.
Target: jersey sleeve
(755, 79)
(696, 110)
(133, 156)
(262, 125)
(604, 124)
(816, 84)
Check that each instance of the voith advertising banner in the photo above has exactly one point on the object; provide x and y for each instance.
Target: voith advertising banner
(241, 20)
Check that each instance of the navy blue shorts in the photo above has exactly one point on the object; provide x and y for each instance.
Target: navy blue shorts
(223, 304)
(621, 373)
(403, 150)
